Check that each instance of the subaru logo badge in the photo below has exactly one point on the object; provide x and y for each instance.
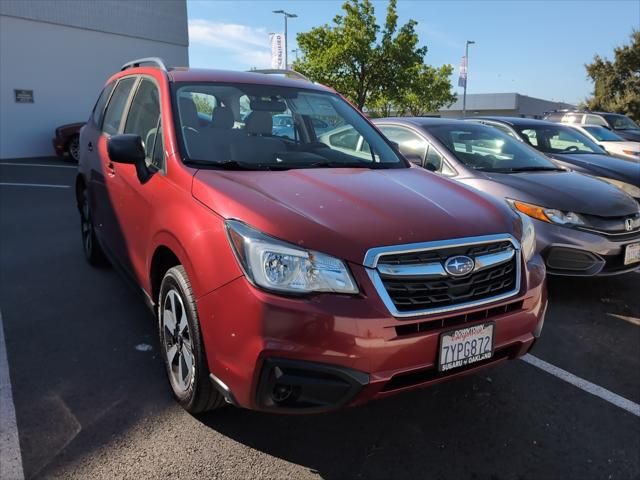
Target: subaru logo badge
(628, 224)
(459, 265)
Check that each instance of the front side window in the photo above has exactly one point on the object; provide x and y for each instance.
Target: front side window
(573, 118)
(272, 127)
(503, 129)
(98, 109)
(115, 109)
(558, 139)
(412, 145)
(487, 149)
(144, 114)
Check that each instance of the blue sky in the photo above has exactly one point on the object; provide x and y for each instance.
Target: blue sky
(536, 48)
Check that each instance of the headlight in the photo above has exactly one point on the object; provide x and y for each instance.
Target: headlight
(625, 187)
(283, 267)
(549, 215)
(528, 240)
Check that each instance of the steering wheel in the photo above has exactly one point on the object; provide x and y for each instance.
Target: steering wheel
(571, 148)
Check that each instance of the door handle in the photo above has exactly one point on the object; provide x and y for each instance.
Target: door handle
(90, 147)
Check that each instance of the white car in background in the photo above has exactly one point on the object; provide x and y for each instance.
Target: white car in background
(613, 143)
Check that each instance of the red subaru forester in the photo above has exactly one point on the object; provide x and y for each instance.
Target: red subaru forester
(296, 270)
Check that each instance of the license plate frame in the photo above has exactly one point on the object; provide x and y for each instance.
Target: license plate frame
(470, 359)
(632, 253)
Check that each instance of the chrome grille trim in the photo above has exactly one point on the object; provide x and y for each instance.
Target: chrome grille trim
(374, 268)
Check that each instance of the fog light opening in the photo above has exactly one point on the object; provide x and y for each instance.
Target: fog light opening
(281, 393)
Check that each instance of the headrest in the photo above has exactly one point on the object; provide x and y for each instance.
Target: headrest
(259, 123)
(188, 111)
(222, 118)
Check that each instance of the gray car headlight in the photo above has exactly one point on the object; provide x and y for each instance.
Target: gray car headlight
(549, 215)
(282, 267)
(528, 240)
(625, 187)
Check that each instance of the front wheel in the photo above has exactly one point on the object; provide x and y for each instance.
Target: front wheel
(181, 345)
(92, 250)
(73, 148)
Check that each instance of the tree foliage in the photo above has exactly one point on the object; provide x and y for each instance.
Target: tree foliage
(617, 82)
(378, 67)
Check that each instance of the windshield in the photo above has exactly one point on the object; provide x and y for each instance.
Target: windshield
(487, 149)
(621, 122)
(557, 139)
(601, 134)
(263, 127)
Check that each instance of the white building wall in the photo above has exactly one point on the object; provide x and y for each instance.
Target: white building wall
(66, 67)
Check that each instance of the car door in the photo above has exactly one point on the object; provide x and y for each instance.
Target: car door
(102, 168)
(135, 200)
(90, 164)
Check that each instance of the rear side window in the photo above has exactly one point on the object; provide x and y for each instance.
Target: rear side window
(573, 118)
(113, 114)
(98, 109)
(595, 120)
(144, 114)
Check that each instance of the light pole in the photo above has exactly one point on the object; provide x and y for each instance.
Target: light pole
(286, 42)
(466, 78)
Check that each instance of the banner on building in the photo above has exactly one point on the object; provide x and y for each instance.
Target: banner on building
(462, 79)
(277, 51)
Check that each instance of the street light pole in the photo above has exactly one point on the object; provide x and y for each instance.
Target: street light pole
(466, 78)
(286, 40)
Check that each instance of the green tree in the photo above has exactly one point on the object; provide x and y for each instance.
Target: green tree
(368, 64)
(428, 91)
(617, 82)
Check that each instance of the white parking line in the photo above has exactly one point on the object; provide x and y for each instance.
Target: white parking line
(10, 456)
(44, 185)
(584, 385)
(44, 165)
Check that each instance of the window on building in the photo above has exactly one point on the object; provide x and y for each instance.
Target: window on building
(113, 114)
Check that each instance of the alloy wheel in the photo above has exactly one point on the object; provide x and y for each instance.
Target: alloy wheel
(177, 342)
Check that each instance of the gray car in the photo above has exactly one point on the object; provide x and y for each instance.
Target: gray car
(570, 148)
(584, 226)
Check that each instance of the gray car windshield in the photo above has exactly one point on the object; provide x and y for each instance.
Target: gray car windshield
(264, 127)
(602, 134)
(487, 149)
(621, 122)
(558, 139)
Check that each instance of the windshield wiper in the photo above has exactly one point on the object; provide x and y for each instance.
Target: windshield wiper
(229, 165)
(330, 164)
(527, 169)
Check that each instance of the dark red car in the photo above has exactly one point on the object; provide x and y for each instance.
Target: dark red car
(66, 140)
(288, 275)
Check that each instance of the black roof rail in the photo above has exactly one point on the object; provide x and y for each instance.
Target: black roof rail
(156, 61)
(287, 73)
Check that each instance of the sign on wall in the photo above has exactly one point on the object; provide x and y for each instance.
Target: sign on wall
(23, 96)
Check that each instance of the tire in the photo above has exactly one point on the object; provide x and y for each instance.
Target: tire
(92, 250)
(73, 148)
(181, 345)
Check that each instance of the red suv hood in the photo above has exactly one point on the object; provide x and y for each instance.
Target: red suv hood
(344, 212)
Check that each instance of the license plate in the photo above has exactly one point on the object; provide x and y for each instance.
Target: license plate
(632, 253)
(465, 346)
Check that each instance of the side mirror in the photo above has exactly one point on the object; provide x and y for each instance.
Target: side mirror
(413, 158)
(126, 148)
(129, 149)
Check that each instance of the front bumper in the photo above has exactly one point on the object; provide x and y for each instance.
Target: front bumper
(322, 352)
(573, 252)
(58, 146)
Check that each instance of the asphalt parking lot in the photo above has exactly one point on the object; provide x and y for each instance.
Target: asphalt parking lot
(92, 401)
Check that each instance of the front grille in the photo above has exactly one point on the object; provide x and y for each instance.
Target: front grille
(428, 256)
(413, 281)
